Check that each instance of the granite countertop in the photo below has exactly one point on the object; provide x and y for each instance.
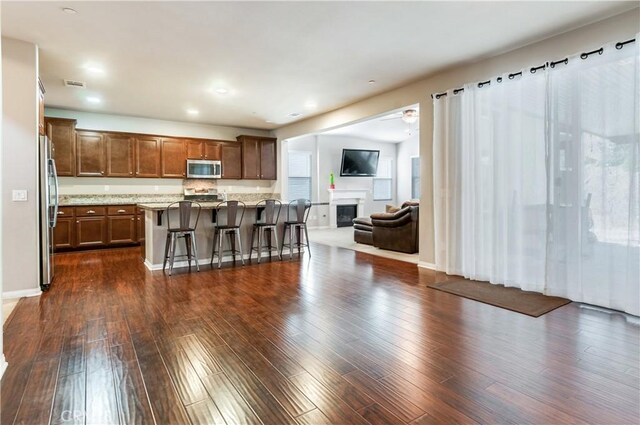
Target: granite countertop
(161, 206)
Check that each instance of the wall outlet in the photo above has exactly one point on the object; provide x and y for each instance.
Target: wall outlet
(19, 195)
(156, 188)
(106, 187)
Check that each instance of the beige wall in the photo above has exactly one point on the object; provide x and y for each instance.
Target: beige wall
(3, 363)
(109, 122)
(20, 166)
(620, 27)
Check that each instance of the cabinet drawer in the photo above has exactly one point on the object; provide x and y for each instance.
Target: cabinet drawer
(90, 211)
(65, 212)
(121, 210)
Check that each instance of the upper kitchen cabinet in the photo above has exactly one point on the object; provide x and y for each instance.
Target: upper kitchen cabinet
(258, 157)
(173, 158)
(231, 156)
(90, 154)
(62, 133)
(203, 149)
(268, 161)
(147, 156)
(120, 151)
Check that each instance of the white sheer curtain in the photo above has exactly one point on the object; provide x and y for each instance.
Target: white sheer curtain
(536, 180)
(594, 191)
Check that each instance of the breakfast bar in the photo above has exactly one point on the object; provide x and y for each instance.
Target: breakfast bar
(156, 232)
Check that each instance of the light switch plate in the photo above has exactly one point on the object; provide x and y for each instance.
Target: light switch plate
(19, 195)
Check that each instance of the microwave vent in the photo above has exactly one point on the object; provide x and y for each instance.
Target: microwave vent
(76, 84)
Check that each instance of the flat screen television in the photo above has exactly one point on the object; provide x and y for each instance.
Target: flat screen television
(359, 163)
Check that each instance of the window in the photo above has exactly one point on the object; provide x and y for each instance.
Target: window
(383, 181)
(415, 177)
(299, 175)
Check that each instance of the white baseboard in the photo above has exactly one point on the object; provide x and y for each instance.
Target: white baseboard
(22, 293)
(425, 265)
(3, 364)
(318, 227)
(205, 261)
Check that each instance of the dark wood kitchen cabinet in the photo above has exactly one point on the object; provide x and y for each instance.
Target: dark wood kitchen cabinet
(147, 156)
(231, 156)
(63, 233)
(140, 226)
(258, 158)
(121, 229)
(203, 149)
(250, 157)
(90, 157)
(62, 133)
(120, 155)
(173, 158)
(91, 231)
(268, 159)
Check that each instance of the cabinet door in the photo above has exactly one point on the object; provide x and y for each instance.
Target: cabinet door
(195, 149)
(231, 161)
(268, 166)
(212, 151)
(63, 233)
(147, 157)
(90, 154)
(62, 133)
(173, 158)
(91, 231)
(140, 226)
(250, 158)
(120, 155)
(121, 229)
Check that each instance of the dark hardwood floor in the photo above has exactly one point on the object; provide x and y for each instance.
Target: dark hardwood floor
(340, 338)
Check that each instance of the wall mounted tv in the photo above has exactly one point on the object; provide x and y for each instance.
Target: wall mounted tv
(359, 163)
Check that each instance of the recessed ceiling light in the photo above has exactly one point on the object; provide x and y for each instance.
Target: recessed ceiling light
(311, 105)
(295, 114)
(94, 69)
(193, 111)
(69, 10)
(93, 99)
(222, 91)
(372, 81)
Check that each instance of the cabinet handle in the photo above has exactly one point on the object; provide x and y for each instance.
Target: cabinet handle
(78, 221)
(131, 219)
(101, 172)
(91, 212)
(121, 211)
(60, 212)
(130, 172)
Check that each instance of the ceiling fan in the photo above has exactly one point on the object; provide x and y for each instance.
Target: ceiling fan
(408, 115)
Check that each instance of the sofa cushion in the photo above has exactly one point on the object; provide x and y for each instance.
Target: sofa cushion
(362, 220)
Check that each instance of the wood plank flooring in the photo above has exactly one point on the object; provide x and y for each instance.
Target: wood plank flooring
(338, 338)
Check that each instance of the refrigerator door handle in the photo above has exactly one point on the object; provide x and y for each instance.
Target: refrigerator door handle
(52, 163)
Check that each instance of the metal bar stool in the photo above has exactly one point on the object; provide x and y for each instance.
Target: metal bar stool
(183, 230)
(299, 211)
(234, 214)
(267, 215)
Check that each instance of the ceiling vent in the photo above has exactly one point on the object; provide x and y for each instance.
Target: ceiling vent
(76, 84)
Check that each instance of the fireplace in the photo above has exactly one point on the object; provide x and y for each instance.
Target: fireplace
(345, 215)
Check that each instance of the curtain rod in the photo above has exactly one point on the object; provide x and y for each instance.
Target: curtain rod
(533, 70)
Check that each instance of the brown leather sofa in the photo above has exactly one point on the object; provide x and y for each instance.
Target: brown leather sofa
(397, 231)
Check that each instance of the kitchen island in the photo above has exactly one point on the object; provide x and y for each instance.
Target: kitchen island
(156, 233)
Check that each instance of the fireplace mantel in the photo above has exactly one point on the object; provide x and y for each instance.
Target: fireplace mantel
(345, 197)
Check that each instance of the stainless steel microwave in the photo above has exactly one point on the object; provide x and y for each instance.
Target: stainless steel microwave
(203, 169)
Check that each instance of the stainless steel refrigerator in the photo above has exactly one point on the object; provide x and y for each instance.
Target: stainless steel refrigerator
(48, 211)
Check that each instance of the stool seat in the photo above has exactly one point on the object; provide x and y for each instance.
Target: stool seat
(267, 210)
(185, 230)
(233, 213)
(300, 210)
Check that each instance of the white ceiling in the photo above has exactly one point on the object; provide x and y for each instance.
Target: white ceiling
(161, 58)
(388, 127)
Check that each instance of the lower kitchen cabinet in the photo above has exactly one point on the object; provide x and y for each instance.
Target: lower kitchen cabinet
(91, 232)
(98, 226)
(63, 233)
(121, 229)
